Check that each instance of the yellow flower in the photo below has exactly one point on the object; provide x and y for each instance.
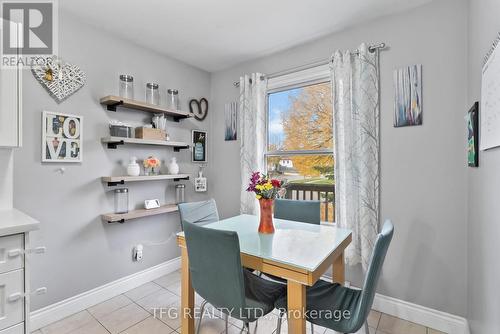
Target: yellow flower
(259, 187)
(268, 186)
(258, 196)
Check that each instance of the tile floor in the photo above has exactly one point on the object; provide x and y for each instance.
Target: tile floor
(132, 313)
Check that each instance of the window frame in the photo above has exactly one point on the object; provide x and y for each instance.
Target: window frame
(311, 76)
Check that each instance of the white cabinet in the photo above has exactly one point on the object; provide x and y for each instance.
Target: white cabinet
(15, 256)
(11, 298)
(16, 329)
(10, 106)
(11, 252)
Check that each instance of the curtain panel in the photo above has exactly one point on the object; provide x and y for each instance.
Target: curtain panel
(253, 89)
(355, 92)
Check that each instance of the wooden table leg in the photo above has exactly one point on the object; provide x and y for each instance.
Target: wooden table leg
(187, 296)
(338, 275)
(296, 308)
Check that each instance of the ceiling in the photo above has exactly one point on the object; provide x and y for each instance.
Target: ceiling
(217, 34)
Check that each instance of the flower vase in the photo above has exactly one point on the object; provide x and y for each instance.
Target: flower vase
(266, 216)
(152, 171)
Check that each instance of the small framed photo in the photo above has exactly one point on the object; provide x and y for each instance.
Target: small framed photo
(61, 137)
(199, 139)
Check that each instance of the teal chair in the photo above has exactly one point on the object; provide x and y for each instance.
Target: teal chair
(218, 277)
(202, 213)
(324, 296)
(299, 211)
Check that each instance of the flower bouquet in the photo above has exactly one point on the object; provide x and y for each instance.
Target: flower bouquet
(266, 190)
(152, 166)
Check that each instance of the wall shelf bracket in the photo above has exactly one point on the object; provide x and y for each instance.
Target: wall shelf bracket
(179, 148)
(112, 106)
(114, 145)
(113, 183)
(181, 178)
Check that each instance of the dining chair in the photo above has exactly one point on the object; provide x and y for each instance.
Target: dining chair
(204, 212)
(218, 276)
(299, 211)
(332, 297)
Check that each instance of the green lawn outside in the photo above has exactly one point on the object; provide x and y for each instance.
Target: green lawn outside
(315, 180)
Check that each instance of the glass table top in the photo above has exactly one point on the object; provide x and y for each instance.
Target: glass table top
(301, 245)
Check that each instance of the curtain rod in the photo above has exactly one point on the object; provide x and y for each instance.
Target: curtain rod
(373, 47)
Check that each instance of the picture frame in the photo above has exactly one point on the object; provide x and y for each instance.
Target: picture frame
(62, 137)
(472, 119)
(199, 140)
(408, 110)
(231, 121)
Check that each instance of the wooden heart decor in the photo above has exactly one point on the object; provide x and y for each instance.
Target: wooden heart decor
(61, 79)
(201, 106)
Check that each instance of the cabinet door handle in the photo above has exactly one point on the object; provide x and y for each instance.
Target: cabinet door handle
(15, 252)
(14, 297)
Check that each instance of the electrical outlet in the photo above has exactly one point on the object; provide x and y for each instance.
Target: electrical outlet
(137, 253)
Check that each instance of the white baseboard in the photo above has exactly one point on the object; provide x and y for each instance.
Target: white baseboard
(67, 307)
(421, 315)
(425, 316)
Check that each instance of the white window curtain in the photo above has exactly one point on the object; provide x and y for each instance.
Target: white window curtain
(252, 133)
(355, 90)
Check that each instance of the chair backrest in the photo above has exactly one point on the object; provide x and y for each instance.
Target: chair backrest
(300, 211)
(202, 213)
(215, 266)
(373, 273)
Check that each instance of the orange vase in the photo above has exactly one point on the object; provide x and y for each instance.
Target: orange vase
(266, 216)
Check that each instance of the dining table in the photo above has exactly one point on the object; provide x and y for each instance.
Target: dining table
(299, 252)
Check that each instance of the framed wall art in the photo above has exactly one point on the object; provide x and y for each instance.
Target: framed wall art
(408, 96)
(61, 137)
(199, 146)
(231, 121)
(473, 136)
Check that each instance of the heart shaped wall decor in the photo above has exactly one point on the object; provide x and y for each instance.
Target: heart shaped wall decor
(60, 79)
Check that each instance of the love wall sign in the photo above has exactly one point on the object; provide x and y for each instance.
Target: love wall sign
(61, 137)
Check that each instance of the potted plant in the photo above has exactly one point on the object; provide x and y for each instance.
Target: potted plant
(266, 190)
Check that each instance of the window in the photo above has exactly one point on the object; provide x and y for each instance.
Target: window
(300, 143)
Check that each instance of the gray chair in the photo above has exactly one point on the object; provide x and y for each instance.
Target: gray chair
(203, 213)
(325, 296)
(300, 211)
(218, 277)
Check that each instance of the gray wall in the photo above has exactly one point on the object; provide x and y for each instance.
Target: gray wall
(484, 182)
(423, 168)
(82, 251)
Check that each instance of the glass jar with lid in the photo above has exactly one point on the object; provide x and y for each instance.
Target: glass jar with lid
(126, 86)
(121, 200)
(152, 93)
(173, 99)
(179, 193)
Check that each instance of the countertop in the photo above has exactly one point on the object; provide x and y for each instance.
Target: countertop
(13, 221)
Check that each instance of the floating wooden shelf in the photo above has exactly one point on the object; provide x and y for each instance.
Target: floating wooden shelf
(113, 142)
(112, 102)
(122, 217)
(116, 180)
